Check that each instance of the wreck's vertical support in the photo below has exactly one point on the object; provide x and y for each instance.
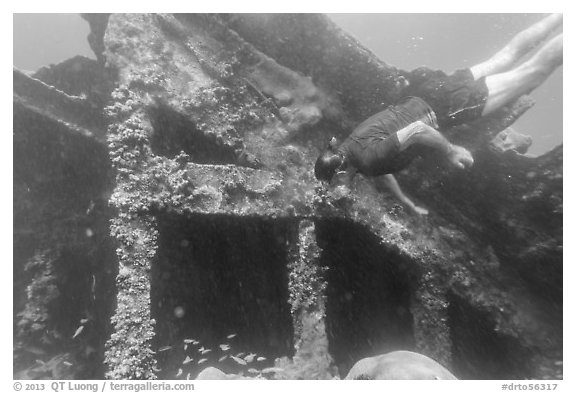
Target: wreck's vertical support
(430, 311)
(129, 354)
(307, 289)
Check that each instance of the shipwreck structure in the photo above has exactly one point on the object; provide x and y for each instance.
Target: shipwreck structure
(167, 218)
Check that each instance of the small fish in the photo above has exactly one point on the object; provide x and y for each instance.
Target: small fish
(188, 376)
(185, 347)
(240, 354)
(272, 370)
(253, 371)
(67, 363)
(238, 360)
(84, 320)
(203, 351)
(250, 358)
(164, 348)
(202, 360)
(40, 362)
(223, 358)
(230, 336)
(179, 372)
(93, 287)
(187, 360)
(189, 340)
(260, 359)
(78, 331)
(90, 207)
(224, 347)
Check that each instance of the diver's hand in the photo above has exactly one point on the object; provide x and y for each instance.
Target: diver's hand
(460, 157)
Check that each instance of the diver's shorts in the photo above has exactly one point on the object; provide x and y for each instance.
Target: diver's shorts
(383, 155)
(455, 98)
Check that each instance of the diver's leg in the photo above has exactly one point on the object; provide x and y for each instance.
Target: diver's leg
(421, 133)
(519, 46)
(506, 87)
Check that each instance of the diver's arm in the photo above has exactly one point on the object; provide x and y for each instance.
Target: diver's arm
(419, 133)
(390, 182)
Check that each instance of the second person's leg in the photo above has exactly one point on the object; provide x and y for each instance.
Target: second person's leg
(519, 46)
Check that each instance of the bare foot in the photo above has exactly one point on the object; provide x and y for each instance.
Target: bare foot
(460, 157)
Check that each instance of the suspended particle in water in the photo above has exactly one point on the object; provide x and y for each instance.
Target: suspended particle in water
(179, 312)
(89, 232)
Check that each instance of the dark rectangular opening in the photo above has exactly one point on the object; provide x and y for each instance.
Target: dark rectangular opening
(479, 351)
(217, 276)
(369, 292)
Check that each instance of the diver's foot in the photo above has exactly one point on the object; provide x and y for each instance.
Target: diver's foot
(460, 157)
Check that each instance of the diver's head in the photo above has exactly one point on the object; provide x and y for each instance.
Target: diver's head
(328, 163)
